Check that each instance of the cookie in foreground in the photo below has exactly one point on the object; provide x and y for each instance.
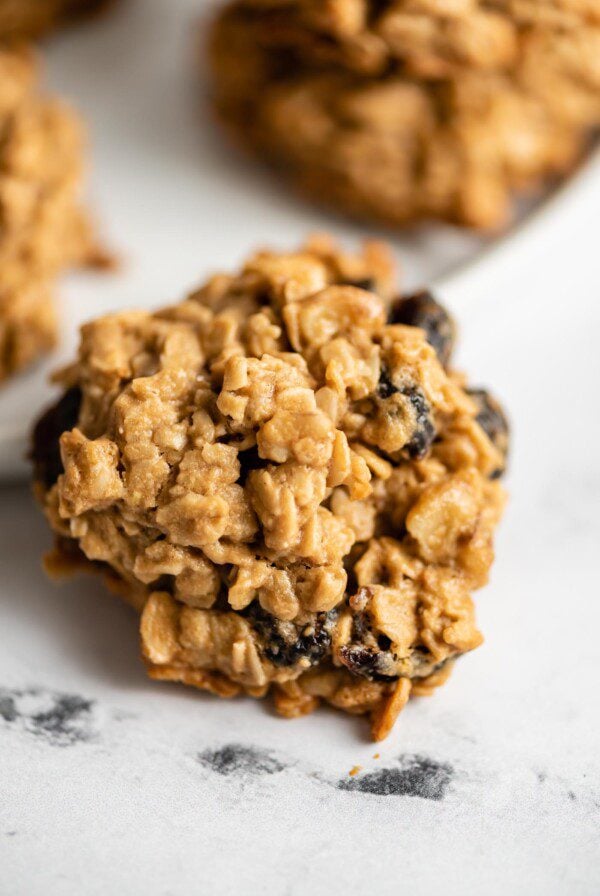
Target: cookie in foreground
(43, 228)
(284, 475)
(398, 112)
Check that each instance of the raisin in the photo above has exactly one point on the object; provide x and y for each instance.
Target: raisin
(249, 460)
(494, 423)
(385, 387)
(285, 643)
(368, 284)
(367, 662)
(368, 654)
(422, 310)
(424, 434)
(424, 430)
(45, 447)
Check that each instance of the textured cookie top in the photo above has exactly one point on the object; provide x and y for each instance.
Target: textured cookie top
(26, 19)
(428, 38)
(42, 226)
(41, 160)
(282, 470)
(399, 111)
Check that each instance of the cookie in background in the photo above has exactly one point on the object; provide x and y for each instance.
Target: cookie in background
(399, 112)
(28, 19)
(44, 228)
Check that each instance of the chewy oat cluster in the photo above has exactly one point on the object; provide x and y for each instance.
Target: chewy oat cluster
(399, 110)
(43, 228)
(25, 19)
(286, 478)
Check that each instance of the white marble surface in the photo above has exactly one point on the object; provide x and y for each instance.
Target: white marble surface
(106, 781)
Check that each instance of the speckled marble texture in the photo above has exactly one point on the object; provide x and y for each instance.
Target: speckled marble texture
(111, 784)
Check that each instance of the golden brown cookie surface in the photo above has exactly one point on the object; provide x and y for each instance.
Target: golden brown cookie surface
(399, 111)
(42, 226)
(284, 478)
(26, 19)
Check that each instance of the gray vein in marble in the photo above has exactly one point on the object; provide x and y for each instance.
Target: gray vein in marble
(412, 775)
(240, 760)
(58, 718)
(415, 775)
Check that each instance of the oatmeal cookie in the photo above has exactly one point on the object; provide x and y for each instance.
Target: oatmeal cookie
(286, 478)
(42, 227)
(399, 111)
(26, 19)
